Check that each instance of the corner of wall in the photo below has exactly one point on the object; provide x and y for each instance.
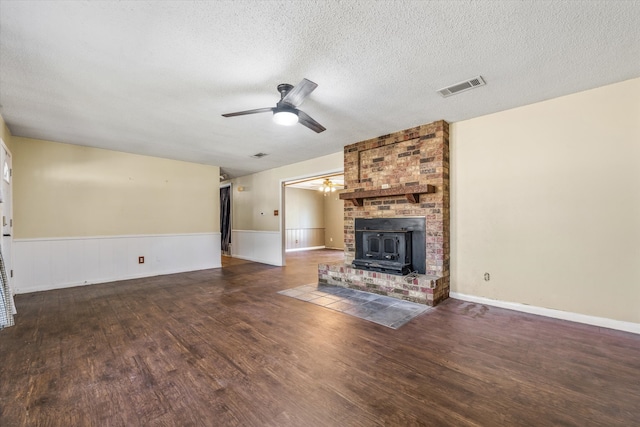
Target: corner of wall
(5, 134)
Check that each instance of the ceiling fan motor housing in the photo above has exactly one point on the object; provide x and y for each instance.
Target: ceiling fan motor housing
(284, 89)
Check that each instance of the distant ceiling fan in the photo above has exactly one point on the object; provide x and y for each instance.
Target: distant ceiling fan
(286, 112)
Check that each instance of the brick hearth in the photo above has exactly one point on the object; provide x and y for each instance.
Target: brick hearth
(401, 174)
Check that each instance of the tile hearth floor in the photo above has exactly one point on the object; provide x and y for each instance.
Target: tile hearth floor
(380, 309)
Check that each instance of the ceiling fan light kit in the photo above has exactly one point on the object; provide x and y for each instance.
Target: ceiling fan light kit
(327, 186)
(285, 117)
(286, 110)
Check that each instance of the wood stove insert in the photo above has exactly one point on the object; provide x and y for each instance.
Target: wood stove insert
(390, 245)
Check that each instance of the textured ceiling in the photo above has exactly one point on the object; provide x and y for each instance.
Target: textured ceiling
(154, 77)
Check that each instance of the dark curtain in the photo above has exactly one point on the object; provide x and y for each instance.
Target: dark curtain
(7, 309)
(225, 219)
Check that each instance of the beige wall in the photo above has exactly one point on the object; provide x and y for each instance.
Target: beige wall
(546, 198)
(304, 218)
(304, 208)
(334, 221)
(63, 190)
(253, 208)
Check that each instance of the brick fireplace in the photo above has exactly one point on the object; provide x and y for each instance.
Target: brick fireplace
(403, 174)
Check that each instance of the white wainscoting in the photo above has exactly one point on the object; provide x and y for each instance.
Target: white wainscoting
(258, 246)
(549, 312)
(43, 264)
(303, 238)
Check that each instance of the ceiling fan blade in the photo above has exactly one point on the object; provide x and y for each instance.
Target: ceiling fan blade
(244, 113)
(305, 120)
(296, 96)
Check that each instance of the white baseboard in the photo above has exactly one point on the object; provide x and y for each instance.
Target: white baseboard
(549, 312)
(55, 263)
(311, 248)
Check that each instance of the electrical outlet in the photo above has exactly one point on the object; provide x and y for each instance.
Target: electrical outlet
(140, 260)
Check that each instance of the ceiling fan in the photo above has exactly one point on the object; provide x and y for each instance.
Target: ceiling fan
(286, 112)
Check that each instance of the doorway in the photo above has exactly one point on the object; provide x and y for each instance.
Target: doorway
(225, 219)
(313, 213)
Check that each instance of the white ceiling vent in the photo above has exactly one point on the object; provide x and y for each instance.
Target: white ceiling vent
(462, 86)
(259, 155)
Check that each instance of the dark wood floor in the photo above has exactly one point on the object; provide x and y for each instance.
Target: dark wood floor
(220, 347)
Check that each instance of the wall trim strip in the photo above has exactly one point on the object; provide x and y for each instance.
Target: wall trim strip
(123, 236)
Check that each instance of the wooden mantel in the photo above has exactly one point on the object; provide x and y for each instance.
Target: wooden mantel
(412, 193)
